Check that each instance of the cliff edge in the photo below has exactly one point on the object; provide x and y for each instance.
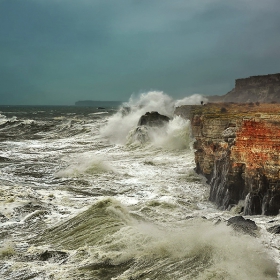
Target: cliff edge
(238, 151)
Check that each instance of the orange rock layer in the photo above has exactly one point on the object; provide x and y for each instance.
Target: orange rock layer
(238, 150)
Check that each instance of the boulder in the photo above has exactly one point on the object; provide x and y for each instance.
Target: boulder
(153, 119)
(240, 224)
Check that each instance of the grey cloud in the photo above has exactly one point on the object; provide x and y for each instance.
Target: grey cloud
(65, 50)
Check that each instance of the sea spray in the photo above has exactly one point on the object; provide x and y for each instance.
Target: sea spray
(89, 227)
(194, 99)
(174, 135)
(149, 219)
(7, 249)
(122, 127)
(120, 124)
(84, 165)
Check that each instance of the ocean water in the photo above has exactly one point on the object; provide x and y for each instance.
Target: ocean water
(84, 194)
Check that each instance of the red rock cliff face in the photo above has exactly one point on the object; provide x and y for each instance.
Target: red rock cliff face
(238, 150)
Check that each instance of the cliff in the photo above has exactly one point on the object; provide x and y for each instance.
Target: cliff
(264, 89)
(238, 151)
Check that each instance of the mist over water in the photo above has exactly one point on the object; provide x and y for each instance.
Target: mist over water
(90, 195)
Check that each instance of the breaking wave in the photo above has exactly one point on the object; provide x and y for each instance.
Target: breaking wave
(136, 249)
(85, 165)
(122, 127)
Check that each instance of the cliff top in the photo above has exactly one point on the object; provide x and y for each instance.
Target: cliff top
(226, 110)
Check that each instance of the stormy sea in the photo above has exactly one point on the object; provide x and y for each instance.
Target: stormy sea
(87, 194)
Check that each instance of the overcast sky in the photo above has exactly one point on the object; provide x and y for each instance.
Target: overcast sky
(62, 51)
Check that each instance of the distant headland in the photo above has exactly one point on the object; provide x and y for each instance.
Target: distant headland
(263, 88)
(98, 104)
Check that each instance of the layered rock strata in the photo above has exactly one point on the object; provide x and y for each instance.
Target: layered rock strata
(238, 151)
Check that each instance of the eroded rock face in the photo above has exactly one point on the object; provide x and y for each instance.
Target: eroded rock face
(238, 151)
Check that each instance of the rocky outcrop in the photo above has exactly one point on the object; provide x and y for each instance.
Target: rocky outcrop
(153, 119)
(240, 224)
(238, 151)
(264, 89)
(147, 125)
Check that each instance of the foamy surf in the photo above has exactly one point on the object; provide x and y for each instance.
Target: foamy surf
(82, 197)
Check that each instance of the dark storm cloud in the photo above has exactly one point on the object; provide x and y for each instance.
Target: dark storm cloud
(58, 51)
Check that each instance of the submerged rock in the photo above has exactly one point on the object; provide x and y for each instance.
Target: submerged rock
(4, 159)
(3, 218)
(153, 119)
(274, 229)
(53, 256)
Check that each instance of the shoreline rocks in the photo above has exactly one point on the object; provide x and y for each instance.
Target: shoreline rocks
(153, 119)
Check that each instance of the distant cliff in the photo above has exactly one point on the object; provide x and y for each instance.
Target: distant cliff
(92, 103)
(264, 89)
(238, 151)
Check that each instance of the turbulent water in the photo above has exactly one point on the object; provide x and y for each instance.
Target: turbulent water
(84, 194)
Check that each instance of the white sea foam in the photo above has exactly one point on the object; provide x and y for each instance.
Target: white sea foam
(120, 124)
(155, 217)
(199, 250)
(176, 136)
(86, 164)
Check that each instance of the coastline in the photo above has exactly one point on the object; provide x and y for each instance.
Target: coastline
(237, 149)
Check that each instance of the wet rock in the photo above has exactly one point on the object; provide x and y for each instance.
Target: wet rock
(29, 211)
(51, 256)
(274, 229)
(4, 159)
(29, 207)
(189, 217)
(240, 224)
(153, 119)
